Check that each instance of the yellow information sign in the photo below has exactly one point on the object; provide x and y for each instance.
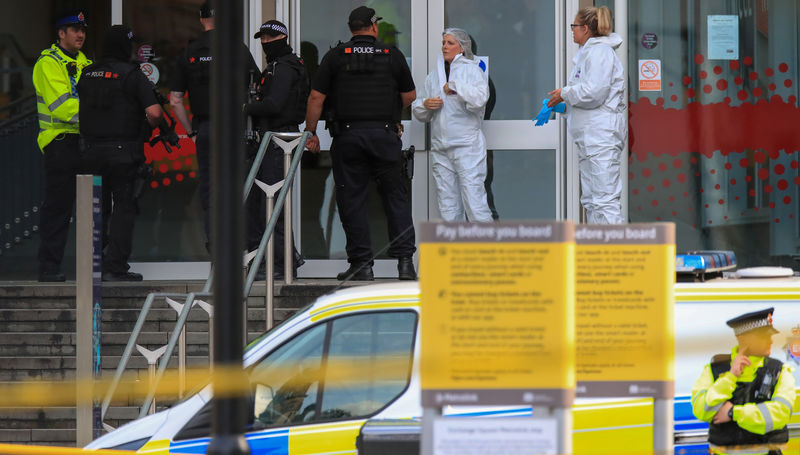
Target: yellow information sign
(497, 324)
(625, 275)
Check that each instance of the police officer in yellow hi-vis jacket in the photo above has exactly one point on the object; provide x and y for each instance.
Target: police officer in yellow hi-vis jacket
(55, 77)
(747, 397)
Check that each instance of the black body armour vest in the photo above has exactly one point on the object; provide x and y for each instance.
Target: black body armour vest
(365, 88)
(758, 391)
(294, 111)
(198, 64)
(107, 112)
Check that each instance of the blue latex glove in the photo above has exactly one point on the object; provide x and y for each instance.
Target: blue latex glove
(560, 108)
(544, 115)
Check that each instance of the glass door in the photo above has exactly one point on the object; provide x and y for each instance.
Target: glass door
(520, 43)
(317, 26)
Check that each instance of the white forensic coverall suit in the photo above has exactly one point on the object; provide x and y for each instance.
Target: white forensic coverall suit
(458, 147)
(596, 120)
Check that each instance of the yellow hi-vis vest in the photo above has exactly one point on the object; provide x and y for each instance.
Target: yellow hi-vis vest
(57, 93)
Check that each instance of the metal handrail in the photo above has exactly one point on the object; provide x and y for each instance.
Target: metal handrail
(190, 297)
(279, 202)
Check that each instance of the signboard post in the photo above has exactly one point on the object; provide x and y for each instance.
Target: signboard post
(89, 191)
(497, 328)
(625, 317)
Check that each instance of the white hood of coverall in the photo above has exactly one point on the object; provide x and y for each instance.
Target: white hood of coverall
(459, 120)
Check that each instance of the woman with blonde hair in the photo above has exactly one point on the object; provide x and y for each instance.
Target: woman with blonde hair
(596, 114)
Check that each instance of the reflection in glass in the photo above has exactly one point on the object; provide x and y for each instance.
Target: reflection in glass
(169, 226)
(359, 344)
(525, 190)
(286, 381)
(713, 150)
(323, 23)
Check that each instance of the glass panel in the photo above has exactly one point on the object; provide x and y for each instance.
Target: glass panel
(517, 36)
(285, 382)
(169, 226)
(27, 29)
(322, 24)
(715, 150)
(520, 184)
(365, 345)
(607, 3)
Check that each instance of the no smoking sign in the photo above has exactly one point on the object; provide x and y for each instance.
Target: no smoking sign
(151, 71)
(650, 75)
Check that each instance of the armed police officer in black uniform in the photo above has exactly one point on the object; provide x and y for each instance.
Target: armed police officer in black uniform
(364, 84)
(115, 99)
(279, 106)
(193, 75)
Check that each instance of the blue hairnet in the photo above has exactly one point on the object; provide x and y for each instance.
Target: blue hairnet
(463, 39)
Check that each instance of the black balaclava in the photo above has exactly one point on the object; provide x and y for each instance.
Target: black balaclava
(275, 49)
(118, 44)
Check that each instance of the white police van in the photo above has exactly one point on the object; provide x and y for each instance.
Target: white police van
(296, 409)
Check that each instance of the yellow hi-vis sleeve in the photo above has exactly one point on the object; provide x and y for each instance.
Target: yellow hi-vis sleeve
(709, 395)
(770, 415)
(54, 87)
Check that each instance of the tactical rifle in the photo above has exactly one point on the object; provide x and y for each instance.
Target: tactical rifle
(254, 94)
(166, 126)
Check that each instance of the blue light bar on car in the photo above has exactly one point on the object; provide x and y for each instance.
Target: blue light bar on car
(705, 261)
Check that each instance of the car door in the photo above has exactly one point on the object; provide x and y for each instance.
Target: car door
(312, 394)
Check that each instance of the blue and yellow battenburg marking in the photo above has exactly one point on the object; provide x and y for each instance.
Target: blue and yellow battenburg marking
(339, 438)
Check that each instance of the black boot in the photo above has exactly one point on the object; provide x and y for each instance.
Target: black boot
(357, 272)
(405, 269)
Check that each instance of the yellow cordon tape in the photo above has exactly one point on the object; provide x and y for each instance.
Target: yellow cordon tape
(229, 382)
(10, 449)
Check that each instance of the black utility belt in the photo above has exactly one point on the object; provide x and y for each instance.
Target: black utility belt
(344, 126)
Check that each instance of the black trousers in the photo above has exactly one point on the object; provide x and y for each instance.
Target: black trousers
(117, 164)
(61, 165)
(358, 156)
(270, 172)
(203, 147)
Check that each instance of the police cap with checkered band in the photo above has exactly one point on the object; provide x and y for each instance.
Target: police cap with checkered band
(753, 321)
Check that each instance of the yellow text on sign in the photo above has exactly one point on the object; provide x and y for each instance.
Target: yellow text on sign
(497, 315)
